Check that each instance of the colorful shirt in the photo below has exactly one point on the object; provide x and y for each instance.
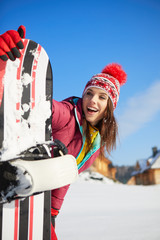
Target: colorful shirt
(85, 149)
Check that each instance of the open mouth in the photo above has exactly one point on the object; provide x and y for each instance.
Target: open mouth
(92, 110)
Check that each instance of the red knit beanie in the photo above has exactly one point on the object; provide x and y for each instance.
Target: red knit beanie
(110, 80)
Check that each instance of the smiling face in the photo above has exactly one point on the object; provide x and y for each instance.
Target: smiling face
(94, 104)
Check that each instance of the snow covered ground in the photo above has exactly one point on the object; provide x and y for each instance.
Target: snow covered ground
(103, 210)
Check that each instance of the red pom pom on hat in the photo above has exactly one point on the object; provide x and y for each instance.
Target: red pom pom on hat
(116, 71)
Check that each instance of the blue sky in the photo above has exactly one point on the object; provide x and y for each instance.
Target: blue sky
(81, 37)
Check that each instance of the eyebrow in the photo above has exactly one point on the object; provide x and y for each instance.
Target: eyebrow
(102, 93)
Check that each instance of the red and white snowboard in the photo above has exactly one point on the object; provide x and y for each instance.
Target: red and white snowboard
(25, 120)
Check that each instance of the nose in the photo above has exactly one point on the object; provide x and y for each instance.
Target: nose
(94, 98)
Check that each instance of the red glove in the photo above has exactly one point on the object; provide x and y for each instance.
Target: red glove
(11, 42)
(54, 213)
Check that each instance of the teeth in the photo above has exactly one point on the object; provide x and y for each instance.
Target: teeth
(92, 109)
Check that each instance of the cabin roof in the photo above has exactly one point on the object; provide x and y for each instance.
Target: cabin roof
(149, 163)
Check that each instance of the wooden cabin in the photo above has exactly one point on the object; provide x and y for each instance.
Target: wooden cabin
(104, 166)
(147, 170)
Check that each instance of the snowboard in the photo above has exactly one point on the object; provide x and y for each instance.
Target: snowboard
(25, 120)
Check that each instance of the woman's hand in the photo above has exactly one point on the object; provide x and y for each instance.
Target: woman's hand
(11, 42)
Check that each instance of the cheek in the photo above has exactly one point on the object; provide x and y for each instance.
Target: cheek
(103, 110)
(103, 106)
(83, 104)
(84, 101)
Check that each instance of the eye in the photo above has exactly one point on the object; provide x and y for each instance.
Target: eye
(89, 93)
(103, 97)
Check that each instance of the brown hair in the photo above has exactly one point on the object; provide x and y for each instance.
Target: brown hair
(107, 127)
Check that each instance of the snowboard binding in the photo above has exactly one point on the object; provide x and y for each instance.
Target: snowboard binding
(11, 177)
(43, 151)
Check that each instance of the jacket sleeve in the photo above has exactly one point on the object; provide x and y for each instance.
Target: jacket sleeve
(61, 114)
(57, 197)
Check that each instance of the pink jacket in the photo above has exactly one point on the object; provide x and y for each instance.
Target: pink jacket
(67, 127)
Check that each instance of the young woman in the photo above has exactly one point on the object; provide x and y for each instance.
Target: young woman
(85, 125)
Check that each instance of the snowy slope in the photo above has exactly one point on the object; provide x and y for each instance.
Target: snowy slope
(108, 211)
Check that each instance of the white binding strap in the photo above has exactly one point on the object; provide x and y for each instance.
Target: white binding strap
(49, 174)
